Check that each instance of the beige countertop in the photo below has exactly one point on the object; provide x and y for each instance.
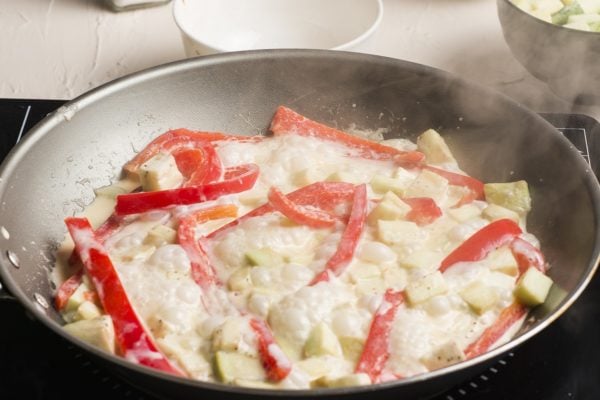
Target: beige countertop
(60, 49)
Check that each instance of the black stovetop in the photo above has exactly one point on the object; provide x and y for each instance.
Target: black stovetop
(562, 362)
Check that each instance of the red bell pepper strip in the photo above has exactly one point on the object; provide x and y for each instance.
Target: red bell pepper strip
(508, 317)
(286, 121)
(527, 255)
(376, 350)
(199, 165)
(135, 343)
(179, 138)
(475, 186)
(238, 179)
(188, 160)
(66, 290)
(274, 360)
(326, 196)
(202, 271)
(488, 238)
(104, 231)
(423, 210)
(303, 215)
(350, 237)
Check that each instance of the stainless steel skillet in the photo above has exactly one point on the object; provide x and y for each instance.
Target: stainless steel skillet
(51, 174)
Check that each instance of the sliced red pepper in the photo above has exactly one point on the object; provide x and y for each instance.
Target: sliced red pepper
(488, 238)
(345, 250)
(508, 317)
(423, 210)
(527, 255)
(326, 196)
(180, 138)
(66, 290)
(188, 160)
(376, 350)
(199, 165)
(202, 271)
(236, 180)
(135, 343)
(286, 121)
(475, 186)
(302, 215)
(274, 360)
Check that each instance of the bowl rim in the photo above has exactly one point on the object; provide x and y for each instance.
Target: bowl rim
(543, 22)
(177, 16)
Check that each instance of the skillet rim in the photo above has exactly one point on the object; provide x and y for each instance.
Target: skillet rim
(64, 113)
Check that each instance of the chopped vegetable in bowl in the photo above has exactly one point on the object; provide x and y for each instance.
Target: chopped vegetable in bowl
(583, 15)
(309, 258)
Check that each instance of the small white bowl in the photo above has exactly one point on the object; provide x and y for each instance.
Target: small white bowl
(213, 26)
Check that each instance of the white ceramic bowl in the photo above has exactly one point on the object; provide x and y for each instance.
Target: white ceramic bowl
(212, 26)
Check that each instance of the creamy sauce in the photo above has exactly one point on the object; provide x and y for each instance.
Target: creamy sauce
(189, 324)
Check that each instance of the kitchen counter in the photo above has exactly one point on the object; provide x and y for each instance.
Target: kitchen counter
(60, 49)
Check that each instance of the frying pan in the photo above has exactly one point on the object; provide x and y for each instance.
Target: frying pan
(82, 145)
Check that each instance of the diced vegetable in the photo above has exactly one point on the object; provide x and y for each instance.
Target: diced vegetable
(511, 195)
(88, 310)
(428, 184)
(435, 148)
(135, 343)
(464, 213)
(160, 235)
(503, 260)
(390, 207)
(533, 287)
(321, 342)
(479, 297)
(98, 332)
(230, 366)
(397, 232)
(447, 354)
(495, 212)
(383, 184)
(359, 379)
(428, 286)
(159, 173)
(230, 334)
(562, 16)
(264, 256)
(352, 347)
(240, 280)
